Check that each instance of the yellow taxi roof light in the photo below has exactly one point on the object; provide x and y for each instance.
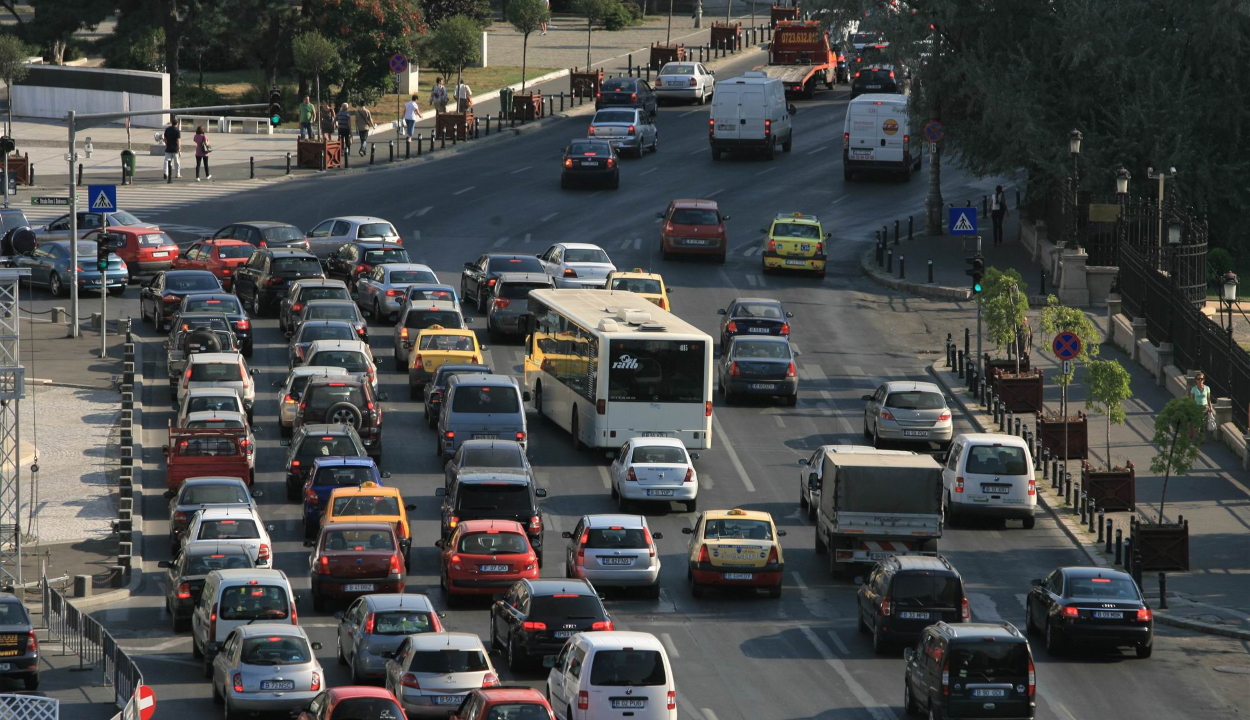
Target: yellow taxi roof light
(637, 270)
(737, 511)
(368, 484)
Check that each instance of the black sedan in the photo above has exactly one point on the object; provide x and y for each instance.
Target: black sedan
(354, 259)
(1089, 606)
(478, 279)
(229, 306)
(626, 92)
(761, 366)
(314, 330)
(18, 646)
(161, 296)
(184, 576)
(590, 161)
(875, 79)
(535, 618)
(753, 316)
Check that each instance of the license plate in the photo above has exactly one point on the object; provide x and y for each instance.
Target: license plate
(277, 684)
(589, 163)
(738, 576)
(5, 666)
(1108, 615)
(914, 615)
(805, 248)
(559, 634)
(360, 587)
(160, 254)
(725, 126)
(862, 154)
(796, 262)
(677, 83)
(879, 556)
(493, 568)
(654, 434)
(618, 560)
(915, 433)
(762, 386)
(447, 699)
(484, 436)
(996, 489)
(628, 703)
(693, 241)
(763, 330)
(989, 692)
(660, 493)
(873, 87)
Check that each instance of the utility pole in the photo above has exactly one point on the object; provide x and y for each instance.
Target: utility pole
(933, 202)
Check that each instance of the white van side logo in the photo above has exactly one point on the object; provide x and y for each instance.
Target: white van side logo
(625, 362)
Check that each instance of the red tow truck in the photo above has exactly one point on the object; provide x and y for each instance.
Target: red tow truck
(204, 452)
(799, 55)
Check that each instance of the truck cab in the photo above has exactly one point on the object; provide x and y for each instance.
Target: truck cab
(799, 55)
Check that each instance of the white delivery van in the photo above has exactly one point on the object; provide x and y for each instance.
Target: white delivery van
(750, 113)
(612, 675)
(878, 136)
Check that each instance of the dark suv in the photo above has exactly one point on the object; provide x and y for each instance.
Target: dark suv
(494, 494)
(352, 260)
(905, 594)
(536, 617)
(18, 645)
(316, 440)
(226, 304)
(262, 282)
(875, 79)
(970, 670)
(344, 401)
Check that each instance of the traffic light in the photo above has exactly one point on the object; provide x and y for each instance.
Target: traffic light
(7, 146)
(275, 107)
(977, 269)
(102, 256)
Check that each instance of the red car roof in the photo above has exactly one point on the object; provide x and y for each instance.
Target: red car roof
(512, 694)
(358, 691)
(133, 230)
(226, 241)
(498, 525)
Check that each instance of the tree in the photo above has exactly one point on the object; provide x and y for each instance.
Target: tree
(451, 46)
(56, 21)
(1109, 386)
(596, 12)
(205, 30)
(1179, 430)
(313, 54)
(13, 69)
(527, 16)
(369, 32)
(1003, 306)
(434, 12)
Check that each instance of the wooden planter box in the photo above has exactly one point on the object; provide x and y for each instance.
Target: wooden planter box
(528, 106)
(1161, 546)
(727, 34)
(454, 125)
(19, 167)
(778, 13)
(661, 54)
(1111, 490)
(585, 84)
(308, 153)
(1020, 393)
(1050, 433)
(989, 365)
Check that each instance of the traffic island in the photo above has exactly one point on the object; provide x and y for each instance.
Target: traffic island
(877, 273)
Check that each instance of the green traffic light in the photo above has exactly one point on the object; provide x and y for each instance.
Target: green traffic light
(276, 119)
(976, 288)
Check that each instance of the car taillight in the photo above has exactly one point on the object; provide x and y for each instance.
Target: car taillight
(887, 606)
(1144, 614)
(632, 130)
(732, 326)
(704, 557)
(846, 140)
(772, 555)
(1071, 612)
(790, 372)
(530, 626)
(212, 622)
(360, 330)
(452, 522)
(397, 566)
(297, 307)
(369, 621)
(707, 408)
(583, 700)
(689, 475)
(274, 281)
(490, 680)
(856, 72)
(394, 293)
(502, 302)
(611, 162)
(263, 553)
(568, 162)
(965, 611)
(646, 534)
(711, 127)
(591, 131)
(168, 299)
(323, 565)
(310, 496)
(1032, 679)
(32, 642)
(785, 329)
(733, 369)
(959, 484)
(1032, 487)
(605, 625)
(179, 517)
(450, 435)
(581, 548)
(672, 700)
(772, 245)
(238, 682)
(630, 476)
(491, 282)
(694, 82)
(536, 523)
(264, 244)
(417, 360)
(946, 677)
(316, 682)
(633, 96)
(944, 417)
(768, 128)
(570, 273)
(363, 268)
(597, 95)
(886, 415)
(409, 680)
(184, 591)
(186, 377)
(601, 407)
(520, 436)
(891, 74)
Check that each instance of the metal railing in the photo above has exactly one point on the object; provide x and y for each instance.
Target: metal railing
(84, 636)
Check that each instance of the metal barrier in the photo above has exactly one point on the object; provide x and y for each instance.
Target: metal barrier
(96, 649)
(29, 707)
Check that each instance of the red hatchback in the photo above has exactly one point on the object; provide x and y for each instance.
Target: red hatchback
(484, 557)
(220, 256)
(352, 559)
(504, 703)
(354, 702)
(693, 227)
(144, 250)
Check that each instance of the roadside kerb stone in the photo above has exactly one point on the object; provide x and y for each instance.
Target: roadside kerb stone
(868, 265)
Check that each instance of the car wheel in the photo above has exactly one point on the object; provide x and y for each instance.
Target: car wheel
(1030, 522)
(217, 698)
(789, 143)
(195, 650)
(715, 155)
(256, 304)
(821, 547)
(846, 174)
(728, 396)
(949, 512)
(811, 511)
(859, 622)
(401, 365)
(692, 505)
(208, 668)
(1143, 652)
(317, 603)
(867, 432)
(516, 661)
(180, 624)
(1053, 642)
(414, 393)
(54, 285)
(934, 713)
(538, 398)
(910, 706)
(721, 259)
(879, 645)
(464, 290)
(117, 292)
(622, 504)
(481, 302)
(438, 446)
(792, 400)
(377, 313)
(338, 643)
(771, 151)
(614, 493)
(578, 445)
(356, 678)
(774, 592)
(1029, 627)
(655, 143)
(696, 590)
(876, 438)
(616, 180)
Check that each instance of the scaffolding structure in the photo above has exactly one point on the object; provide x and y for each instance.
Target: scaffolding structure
(12, 390)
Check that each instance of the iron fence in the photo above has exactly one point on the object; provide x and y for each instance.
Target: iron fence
(84, 636)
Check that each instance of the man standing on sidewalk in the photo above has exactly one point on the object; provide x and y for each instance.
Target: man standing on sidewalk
(307, 116)
(364, 123)
(464, 97)
(344, 120)
(412, 113)
(438, 97)
(173, 149)
(998, 211)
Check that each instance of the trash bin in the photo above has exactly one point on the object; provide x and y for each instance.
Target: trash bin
(505, 102)
(129, 162)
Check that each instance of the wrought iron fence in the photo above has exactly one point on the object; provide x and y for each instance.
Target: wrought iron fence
(84, 636)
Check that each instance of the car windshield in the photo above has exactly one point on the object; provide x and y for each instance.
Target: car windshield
(613, 116)
(389, 255)
(461, 343)
(422, 319)
(328, 446)
(254, 602)
(484, 399)
(586, 255)
(219, 403)
(228, 529)
(672, 69)
(297, 264)
(915, 400)
(212, 494)
(376, 230)
(323, 293)
(385, 505)
(926, 590)
(216, 372)
(323, 396)
(659, 454)
(275, 650)
(490, 456)
(317, 311)
(216, 423)
(796, 230)
(506, 498)
(447, 295)
(442, 662)
(587, 148)
(206, 447)
(762, 350)
(188, 283)
(984, 661)
(628, 668)
(695, 216)
(402, 622)
(343, 476)
(359, 540)
(518, 711)
(611, 538)
(235, 251)
(766, 311)
(565, 606)
(618, 85)
(284, 234)
(1101, 587)
(403, 277)
(204, 564)
(494, 543)
(646, 286)
(12, 613)
(225, 305)
(876, 74)
(334, 331)
(157, 239)
(520, 291)
(349, 360)
(737, 529)
(996, 460)
(366, 708)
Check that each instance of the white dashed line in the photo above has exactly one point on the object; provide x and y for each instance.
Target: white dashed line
(713, 194)
(547, 217)
(669, 646)
(420, 212)
(707, 713)
(521, 170)
(820, 149)
(705, 481)
(696, 152)
(499, 242)
(733, 455)
(647, 172)
(527, 238)
(465, 190)
(838, 200)
(765, 172)
(637, 243)
(874, 708)
(603, 475)
(688, 114)
(625, 244)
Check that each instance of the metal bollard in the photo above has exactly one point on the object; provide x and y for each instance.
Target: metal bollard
(418, 144)
(629, 65)
(1136, 571)
(911, 222)
(251, 162)
(1016, 432)
(1090, 507)
(408, 147)
(561, 110)
(442, 141)
(288, 163)
(896, 226)
(79, 174)
(1119, 542)
(949, 345)
(879, 250)
(1081, 499)
(1002, 414)
(902, 270)
(985, 206)
(455, 133)
(960, 362)
(930, 270)
(1104, 532)
(994, 408)
(1043, 282)
(323, 160)
(476, 127)
(967, 341)
(885, 233)
(390, 149)
(30, 172)
(372, 147)
(1056, 475)
(975, 383)
(889, 261)
(1163, 591)
(1067, 487)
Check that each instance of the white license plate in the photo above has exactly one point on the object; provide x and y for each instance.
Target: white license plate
(677, 83)
(763, 330)
(1108, 615)
(796, 262)
(659, 493)
(913, 616)
(160, 254)
(360, 587)
(915, 433)
(277, 684)
(738, 576)
(726, 126)
(618, 560)
(996, 489)
(484, 436)
(861, 154)
(447, 699)
(879, 556)
(628, 703)
(563, 634)
(695, 242)
(589, 163)
(873, 87)
(493, 568)
(654, 434)
(5, 666)
(989, 692)
(762, 386)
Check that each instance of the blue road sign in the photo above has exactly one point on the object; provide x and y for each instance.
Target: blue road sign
(1066, 345)
(102, 198)
(933, 131)
(963, 221)
(399, 63)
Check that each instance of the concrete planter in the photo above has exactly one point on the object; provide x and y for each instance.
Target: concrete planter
(1160, 546)
(1111, 490)
(1051, 434)
(1020, 393)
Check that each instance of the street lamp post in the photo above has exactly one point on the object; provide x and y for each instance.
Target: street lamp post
(1122, 177)
(1230, 297)
(1074, 149)
(1161, 177)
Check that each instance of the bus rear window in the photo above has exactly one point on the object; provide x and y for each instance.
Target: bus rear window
(659, 371)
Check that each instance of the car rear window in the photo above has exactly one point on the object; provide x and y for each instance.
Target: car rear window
(508, 456)
(350, 361)
(493, 543)
(586, 148)
(659, 454)
(376, 230)
(159, 239)
(796, 230)
(522, 263)
(215, 423)
(422, 319)
(761, 350)
(359, 540)
(235, 251)
(216, 372)
(343, 476)
(12, 613)
(204, 564)
(298, 264)
(321, 397)
(441, 662)
(520, 291)
(672, 69)
(206, 447)
(486, 399)
(561, 606)
(618, 85)
(447, 294)
(767, 311)
(366, 708)
(323, 293)
(275, 650)
(915, 400)
(212, 494)
(518, 711)
(637, 285)
(228, 305)
(219, 403)
(328, 446)
(627, 668)
(402, 622)
(286, 234)
(988, 661)
(586, 255)
(337, 331)
(411, 276)
(614, 538)
(613, 116)
(254, 602)
(331, 312)
(995, 460)
(737, 529)
(916, 589)
(695, 216)
(389, 255)
(461, 343)
(505, 498)
(214, 322)
(229, 529)
(1101, 587)
(188, 283)
(366, 505)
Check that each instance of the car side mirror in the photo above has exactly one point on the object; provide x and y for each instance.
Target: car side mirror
(525, 396)
(566, 535)
(309, 543)
(687, 531)
(438, 544)
(1037, 582)
(540, 492)
(410, 507)
(789, 314)
(289, 334)
(165, 450)
(764, 230)
(254, 372)
(721, 311)
(316, 646)
(440, 492)
(549, 661)
(169, 494)
(908, 654)
(385, 474)
(269, 528)
(257, 494)
(694, 456)
(659, 216)
(866, 398)
(538, 255)
(828, 235)
(657, 536)
(781, 533)
(164, 564)
(802, 461)
(793, 110)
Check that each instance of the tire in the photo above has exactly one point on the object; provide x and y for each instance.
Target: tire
(401, 365)
(217, 698)
(256, 308)
(879, 644)
(867, 433)
(612, 491)
(57, 288)
(876, 438)
(317, 603)
(692, 505)
(721, 259)
(1030, 522)
(789, 143)
(934, 714)
(564, 182)
(623, 505)
(860, 625)
(1054, 643)
(696, 590)
(702, 98)
(616, 180)
(821, 547)
(774, 592)
(655, 144)
(195, 650)
(951, 515)
(338, 644)
(344, 413)
(1143, 652)
(208, 669)
(846, 174)
(118, 292)
(538, 399)
(728, 396)
(179, 624)
(715, 155)
(464, 289)
(494, 639)
(578, 445)
(481, 302)
(811, 511)
(910, 706)
(653, 591)
(792, 400)
(414, 393)
(771, 152)
(377, 313)
(516, 661)
(1029, 628)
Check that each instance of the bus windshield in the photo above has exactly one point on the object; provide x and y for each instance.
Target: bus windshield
(661, 371)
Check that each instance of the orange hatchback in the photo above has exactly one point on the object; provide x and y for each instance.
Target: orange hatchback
(144, 250)
(693, 227)
(484, 557)
(220, 256)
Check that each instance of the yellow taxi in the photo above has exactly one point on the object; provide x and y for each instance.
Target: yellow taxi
(437, 346)
(735, 548)
(649, 285)
(371, 503)
(795, 242)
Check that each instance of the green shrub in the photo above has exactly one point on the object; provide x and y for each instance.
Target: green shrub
(635, 11)
(194, 96)
(617, 17)
(1219, 261)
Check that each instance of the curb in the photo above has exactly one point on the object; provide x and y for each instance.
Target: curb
(867, 263)
(1166, 618)
(45, 382)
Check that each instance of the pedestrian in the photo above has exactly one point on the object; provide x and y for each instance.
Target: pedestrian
(998, 211)
(1202, 395)
(173, 149)
(438, 97)
(464, 96)
(202, 149)
(308, 116)
(364, 123)
(327, 120)
(412, 113)
(1024, 338)
(344, 119)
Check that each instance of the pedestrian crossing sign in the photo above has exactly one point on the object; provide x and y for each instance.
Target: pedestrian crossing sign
(963, 221)
(102, 197)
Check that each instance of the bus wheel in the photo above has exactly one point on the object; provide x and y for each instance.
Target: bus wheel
(576, 429)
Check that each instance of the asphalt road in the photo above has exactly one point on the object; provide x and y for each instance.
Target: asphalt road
(736, 656)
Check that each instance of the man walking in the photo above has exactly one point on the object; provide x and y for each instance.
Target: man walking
(464, 97)
(344, 120)
(438, 97)
(412, 113)
(307, 116)
(998, 211)
(364, 123)
(173, 149)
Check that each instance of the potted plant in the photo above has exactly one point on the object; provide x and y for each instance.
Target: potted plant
(1112, 487)
(1003, 308)
(1066, 435)
(1179, 430)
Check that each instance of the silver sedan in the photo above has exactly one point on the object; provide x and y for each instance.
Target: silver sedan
(266, 668)
(626, 129)
(383, 289)
(685, 81)
(908, 412)
(371, 629)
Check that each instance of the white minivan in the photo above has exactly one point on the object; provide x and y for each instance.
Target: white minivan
(989, 475)
(750, 113)
(612, 675)
(238, 597)
(878, 136)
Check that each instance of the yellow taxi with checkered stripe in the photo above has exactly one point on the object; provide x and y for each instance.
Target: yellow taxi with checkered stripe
(649, 285)
(437, 346)
(735, 548)
(795, 241)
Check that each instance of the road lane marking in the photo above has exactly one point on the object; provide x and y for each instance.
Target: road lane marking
(865, 698)
(637, 243)
(983, 608)
(465, 190)
(838, 200)
(765, 172)
(527, 238)
(733, 455)
(669, 646)
(838, 642)
(624, 244)
(780, 423)
(154, 649)
(690, 709)
(853, 370)
(521, 170)
(707, 712)
(603, 475)
(696, 152)
(420, 212)
(689, 113)
(815, 372)
(820, 149)
(705, 481)
(713, 194)
(500, 242)
(647, 172)
(751, 280)
(547, 217)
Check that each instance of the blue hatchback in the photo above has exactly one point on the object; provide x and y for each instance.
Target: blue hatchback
(328, 474)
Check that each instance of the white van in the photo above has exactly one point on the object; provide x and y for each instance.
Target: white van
(877, 135)
(989, 475)
(612, 675)
(750, 113)
(238, 597)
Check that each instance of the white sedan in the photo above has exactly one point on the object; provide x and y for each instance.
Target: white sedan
(654, 470)
(685, 81)
(577, 265)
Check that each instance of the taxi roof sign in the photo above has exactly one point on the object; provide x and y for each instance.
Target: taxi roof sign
(797, 216)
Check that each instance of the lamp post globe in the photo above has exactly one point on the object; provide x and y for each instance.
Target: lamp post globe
(1122, 177)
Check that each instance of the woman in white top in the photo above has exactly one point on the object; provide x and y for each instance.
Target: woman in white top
(412, 113)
